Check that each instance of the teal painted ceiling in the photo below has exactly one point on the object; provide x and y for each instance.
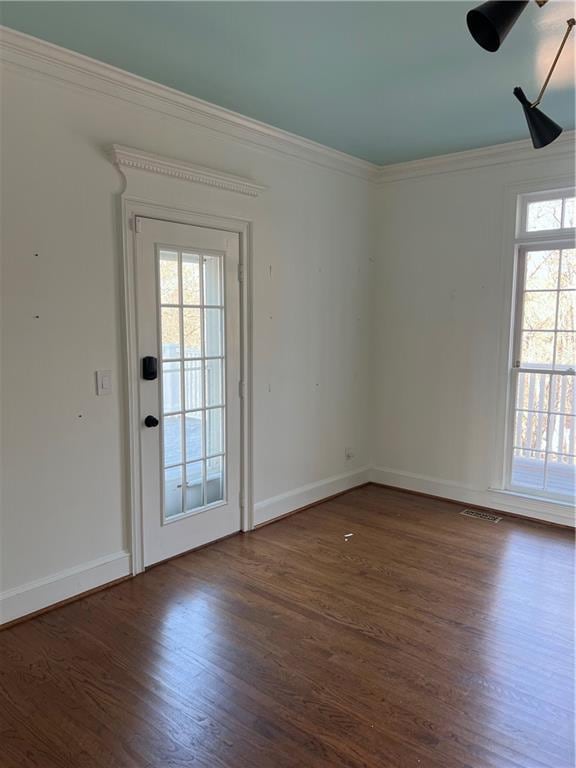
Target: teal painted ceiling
(384, 81)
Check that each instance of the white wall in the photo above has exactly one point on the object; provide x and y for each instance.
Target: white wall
(442, 295)
(64, 491)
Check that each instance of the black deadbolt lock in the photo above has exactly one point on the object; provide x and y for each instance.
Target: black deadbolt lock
(149, 368)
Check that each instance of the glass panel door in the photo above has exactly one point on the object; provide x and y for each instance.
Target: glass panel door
(193, 392)
(190, 439)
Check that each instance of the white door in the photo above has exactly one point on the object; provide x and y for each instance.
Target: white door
(188, 315)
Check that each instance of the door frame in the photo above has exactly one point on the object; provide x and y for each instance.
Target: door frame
(131, 208)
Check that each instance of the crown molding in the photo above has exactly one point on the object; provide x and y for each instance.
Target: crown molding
(127, 157)
(43, 59)
(48, 60)
(497, 154)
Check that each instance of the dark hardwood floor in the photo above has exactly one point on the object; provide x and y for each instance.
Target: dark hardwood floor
(425, 639)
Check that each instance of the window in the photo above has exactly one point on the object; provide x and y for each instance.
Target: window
(192, 375)
(542, 454)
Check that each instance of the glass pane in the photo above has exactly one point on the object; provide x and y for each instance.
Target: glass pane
(212, 280)
(530, 431)
(193, 384)
(190, 278)
(170, 333)
(169, 277)
(563, 395)
(561, 433)
(172, 433)
(194, 486)
(544, 214)
(541, 270)
(561, 475)
(214, 430)
(192, 334)
(214, 389)
(213, 332)
(537, 349)
(566, 349)
(539, 311)
(194, 437)
(567, 311)
(172, 491)
(568, 270)
(214, 480)
(528, 470)
(569, 212)
(171, 397)
(533, 391)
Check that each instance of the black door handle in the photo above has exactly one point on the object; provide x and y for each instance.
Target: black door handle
(151, 421)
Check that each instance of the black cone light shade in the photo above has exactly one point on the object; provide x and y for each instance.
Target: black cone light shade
(542, 129)
(490, 22)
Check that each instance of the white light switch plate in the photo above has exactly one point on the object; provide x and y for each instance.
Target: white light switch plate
(103, 382)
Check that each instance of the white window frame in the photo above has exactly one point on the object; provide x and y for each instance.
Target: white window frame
(524, 201)
(525, 240)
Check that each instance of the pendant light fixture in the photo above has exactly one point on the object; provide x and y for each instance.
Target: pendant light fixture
(542, 129)
(490, 23)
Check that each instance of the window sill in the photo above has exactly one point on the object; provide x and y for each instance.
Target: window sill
(531, 497)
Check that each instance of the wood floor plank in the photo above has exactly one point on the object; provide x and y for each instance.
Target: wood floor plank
(423, 640)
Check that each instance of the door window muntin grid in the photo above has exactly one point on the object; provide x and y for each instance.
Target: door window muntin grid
(180, 361)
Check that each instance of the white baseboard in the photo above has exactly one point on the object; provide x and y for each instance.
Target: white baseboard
(517, 504)
(276, 506)
(35, 595)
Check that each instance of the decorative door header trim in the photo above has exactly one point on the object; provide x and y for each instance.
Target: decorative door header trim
(128, 157)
